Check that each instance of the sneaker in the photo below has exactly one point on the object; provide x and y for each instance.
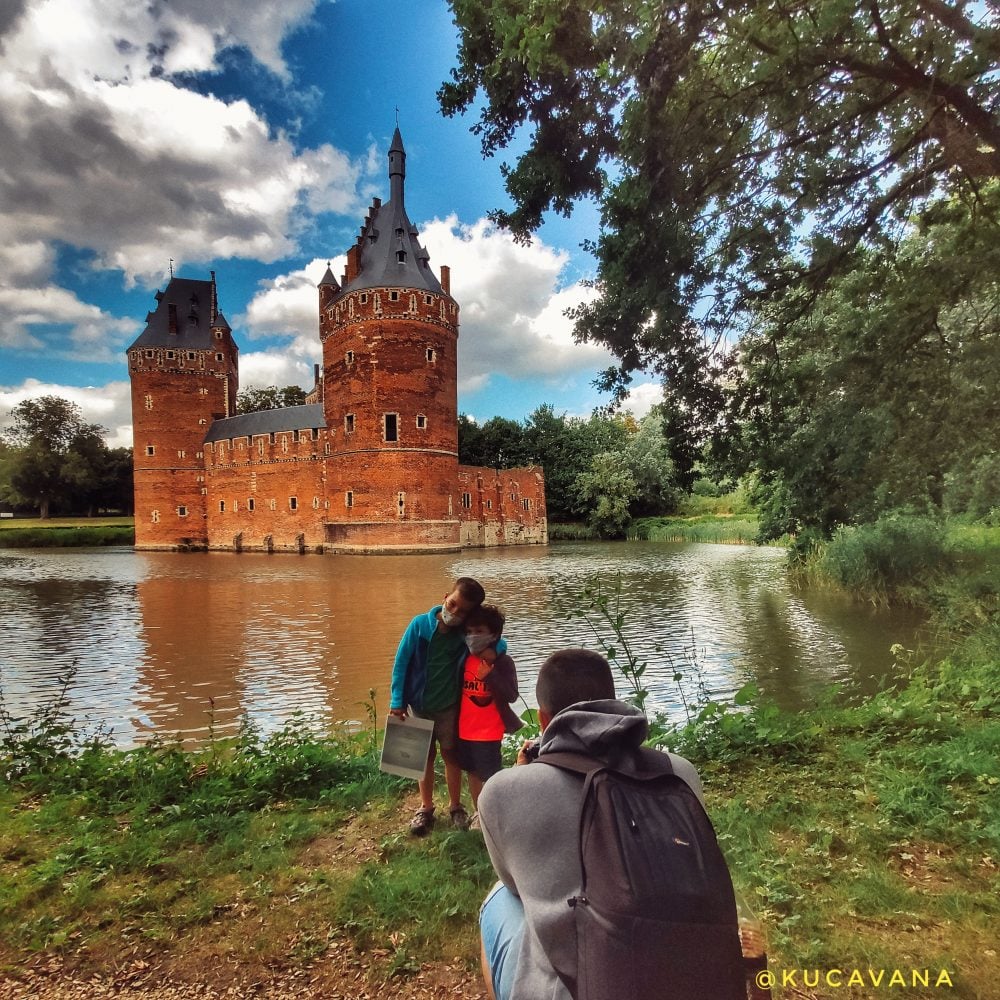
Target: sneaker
(422, 822)
(474, 823)
(460, 818)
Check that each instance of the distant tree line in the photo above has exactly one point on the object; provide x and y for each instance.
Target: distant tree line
(604, 470)
(54, 462)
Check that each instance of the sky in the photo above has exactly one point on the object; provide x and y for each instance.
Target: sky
(249, 137)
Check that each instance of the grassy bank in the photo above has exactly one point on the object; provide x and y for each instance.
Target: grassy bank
(866, 836)
(66, 531)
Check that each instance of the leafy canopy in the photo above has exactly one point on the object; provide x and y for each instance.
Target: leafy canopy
(738, 150)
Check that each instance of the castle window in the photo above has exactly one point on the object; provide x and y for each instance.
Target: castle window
(400, 503)
(399, 231)
(149, 402)
(428, 300)
(250, 504)
(431, 355)
(154, 516)
(236, 506)
(199, 454)
(148, 354)
(218, 335)
(394, 296)
(326, 448)
(390, 422)
(150, 449)
(182, 512)
(349, 498)
(315, 503)
(222, 506)
(191, 355)
(349, 423)
(489, 505)
(219, 357)
(270, 437)
(203, 421)
(200, 479)
(295, 436)
(467, 500)
(170, 354)
(349, 358)
(421, 422)
(314, 433)
(293, 503)
(273, 504)
(526, 503)
(513, 498)
(364, 298)
(284, 442)
(203, 391)
(260, 447)
(181, 454)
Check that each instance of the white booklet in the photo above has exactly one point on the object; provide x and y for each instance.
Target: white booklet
(406, 746)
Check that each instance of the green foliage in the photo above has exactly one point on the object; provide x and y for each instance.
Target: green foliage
(58, 537)
(53, 459)
(269, 398)
(883, 558)
(736, 150)
(707, 528)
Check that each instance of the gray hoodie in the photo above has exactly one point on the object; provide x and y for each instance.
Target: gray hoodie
(530, 820)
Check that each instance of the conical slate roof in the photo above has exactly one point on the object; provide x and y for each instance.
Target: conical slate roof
(390, 251)
(184, 317)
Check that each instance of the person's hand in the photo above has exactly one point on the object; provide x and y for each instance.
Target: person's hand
(528, 752)
(488, 655)
(400, 713)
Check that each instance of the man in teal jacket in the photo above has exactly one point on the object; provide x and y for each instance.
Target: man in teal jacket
(427, 680)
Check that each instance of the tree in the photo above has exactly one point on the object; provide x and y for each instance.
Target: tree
(881, 396)
(56, 455)
(269, 398)
(739, 151)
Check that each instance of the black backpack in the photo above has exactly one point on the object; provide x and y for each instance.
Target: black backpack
(656, 914)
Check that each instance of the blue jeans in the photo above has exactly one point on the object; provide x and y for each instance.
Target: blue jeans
(501, 925)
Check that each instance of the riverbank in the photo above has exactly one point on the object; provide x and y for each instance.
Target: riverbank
(59, 532)
(866, 837)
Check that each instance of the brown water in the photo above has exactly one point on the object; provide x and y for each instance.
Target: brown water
(155, 640)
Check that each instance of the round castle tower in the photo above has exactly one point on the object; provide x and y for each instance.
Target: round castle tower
(389, 332)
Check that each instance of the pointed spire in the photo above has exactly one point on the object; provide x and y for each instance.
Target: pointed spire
(397, 169)
(328, 278)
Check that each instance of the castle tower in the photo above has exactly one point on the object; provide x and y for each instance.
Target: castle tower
(389, 331)
(184, 373)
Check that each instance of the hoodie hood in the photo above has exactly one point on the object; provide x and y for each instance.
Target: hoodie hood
(601, 729)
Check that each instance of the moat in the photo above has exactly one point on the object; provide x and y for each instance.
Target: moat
(165, 642)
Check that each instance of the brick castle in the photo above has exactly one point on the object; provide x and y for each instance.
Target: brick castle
(368, 464)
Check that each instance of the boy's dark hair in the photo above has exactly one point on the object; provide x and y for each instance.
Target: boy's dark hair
(573, 675)
(489, 615)
(471, 590)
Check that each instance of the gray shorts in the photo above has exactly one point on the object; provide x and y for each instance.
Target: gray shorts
(445, 726)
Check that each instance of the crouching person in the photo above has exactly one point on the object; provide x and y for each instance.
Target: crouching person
(604, 892)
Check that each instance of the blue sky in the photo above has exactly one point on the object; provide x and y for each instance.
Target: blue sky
(249, 138)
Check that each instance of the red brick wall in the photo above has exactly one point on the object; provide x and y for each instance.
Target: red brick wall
(502, 506)
(251, 484)
(174, 401)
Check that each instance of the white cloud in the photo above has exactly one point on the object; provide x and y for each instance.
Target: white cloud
(642, 398)
(109, 405)
(512, 308)
(86, 332)
(105, 152)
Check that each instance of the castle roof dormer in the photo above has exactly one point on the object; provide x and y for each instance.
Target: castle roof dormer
(183, 318)
(388, 251)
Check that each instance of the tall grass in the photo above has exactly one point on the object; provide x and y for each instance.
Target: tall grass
(38, 537)
(706, 528)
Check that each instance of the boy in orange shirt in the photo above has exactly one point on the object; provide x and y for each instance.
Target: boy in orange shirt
(489, 685)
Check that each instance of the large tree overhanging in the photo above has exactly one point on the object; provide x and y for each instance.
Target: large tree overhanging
(738, 150)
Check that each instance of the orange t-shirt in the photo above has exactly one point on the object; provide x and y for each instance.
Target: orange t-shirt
(479, 718)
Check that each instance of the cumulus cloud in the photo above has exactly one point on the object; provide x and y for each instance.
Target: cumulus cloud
(512, 318)
(104, 150)
(642, 398)
(109, 405)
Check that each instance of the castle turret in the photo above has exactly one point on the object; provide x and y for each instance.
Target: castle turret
(184, 373)
(390, 341)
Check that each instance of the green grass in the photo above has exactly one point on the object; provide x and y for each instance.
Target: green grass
(703, 528)
(45, 534)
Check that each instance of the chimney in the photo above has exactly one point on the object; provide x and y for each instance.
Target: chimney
(353, 260)
(446, 279)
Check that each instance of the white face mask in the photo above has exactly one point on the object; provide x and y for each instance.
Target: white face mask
(448, 619)
(478, 642)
